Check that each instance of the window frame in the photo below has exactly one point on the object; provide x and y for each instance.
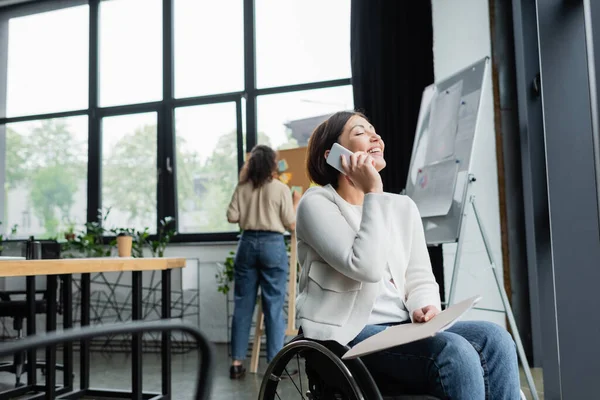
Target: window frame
(164, 109)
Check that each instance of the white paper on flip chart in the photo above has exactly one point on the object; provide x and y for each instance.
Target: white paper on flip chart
(465, 129)
(407, 333)
(434, 189)
(442, 124)
(422, 131)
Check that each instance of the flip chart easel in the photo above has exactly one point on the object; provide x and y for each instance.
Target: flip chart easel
(455, 144)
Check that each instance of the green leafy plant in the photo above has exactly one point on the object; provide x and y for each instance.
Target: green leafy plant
(165, 234)
(70, 230)
(225, 275)
(90, 241)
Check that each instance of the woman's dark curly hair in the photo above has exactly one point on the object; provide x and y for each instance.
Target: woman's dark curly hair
(260, 166)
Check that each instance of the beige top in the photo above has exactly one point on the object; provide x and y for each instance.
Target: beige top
(268, 208)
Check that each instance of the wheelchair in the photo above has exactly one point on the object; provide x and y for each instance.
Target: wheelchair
(327, 376)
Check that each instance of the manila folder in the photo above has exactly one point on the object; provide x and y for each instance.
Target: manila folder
(411, 332)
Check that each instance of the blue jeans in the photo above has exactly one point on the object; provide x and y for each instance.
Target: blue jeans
(472, 360)
(261, 258)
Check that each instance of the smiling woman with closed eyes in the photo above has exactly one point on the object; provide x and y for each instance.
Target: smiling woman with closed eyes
(365, 267)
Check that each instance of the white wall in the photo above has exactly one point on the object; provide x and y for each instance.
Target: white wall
(461, 35)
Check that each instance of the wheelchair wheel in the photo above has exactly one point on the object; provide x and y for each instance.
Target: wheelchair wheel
(321, 375)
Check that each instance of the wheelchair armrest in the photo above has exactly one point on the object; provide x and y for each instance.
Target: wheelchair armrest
(335, 347)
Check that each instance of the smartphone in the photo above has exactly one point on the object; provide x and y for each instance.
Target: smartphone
(335, 154)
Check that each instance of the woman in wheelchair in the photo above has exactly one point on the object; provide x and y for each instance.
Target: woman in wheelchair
(365, 267)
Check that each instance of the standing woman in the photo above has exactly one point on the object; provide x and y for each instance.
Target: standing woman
(264, 208)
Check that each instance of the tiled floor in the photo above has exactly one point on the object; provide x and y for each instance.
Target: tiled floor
(114, 371)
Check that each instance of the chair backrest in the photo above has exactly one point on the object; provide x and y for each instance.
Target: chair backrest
(205, 348)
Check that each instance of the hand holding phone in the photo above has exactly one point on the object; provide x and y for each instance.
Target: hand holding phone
(362, 173)
(335, 157)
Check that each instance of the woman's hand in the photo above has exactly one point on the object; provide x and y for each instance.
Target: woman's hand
(362, 173)
(243, 172)
(425, 314)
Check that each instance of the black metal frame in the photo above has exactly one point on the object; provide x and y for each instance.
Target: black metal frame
(533, 160)
(164, 109)
(51, 339)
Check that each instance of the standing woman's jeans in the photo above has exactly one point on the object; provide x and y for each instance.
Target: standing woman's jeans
(261, 258)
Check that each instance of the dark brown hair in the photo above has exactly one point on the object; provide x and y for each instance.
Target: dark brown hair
(260, 166)
(321, 140)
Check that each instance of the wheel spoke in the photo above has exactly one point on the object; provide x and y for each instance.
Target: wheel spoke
(299, 372)
(291, 379)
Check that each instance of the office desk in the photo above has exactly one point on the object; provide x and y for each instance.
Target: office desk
(64, 268)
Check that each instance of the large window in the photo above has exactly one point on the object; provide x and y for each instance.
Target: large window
(130, 51)
(147, 107)
(209, 47)
(206, 166)
(300, 41)
(129, 171)
(47, 62)
(46, 176)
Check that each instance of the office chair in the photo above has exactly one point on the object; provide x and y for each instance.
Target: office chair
(13, 303)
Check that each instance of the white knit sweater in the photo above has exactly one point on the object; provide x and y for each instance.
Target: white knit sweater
(343, 257)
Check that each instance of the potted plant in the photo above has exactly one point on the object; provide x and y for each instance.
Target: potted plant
(139, 239)
(70, 231)
(88, 242)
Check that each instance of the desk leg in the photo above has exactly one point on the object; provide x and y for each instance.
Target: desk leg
(166, 336)
(67, 306)
(31, 354)
(136, 354)
(50, 327)
(84, 374)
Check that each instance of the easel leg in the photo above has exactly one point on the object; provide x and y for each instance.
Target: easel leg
(452, 290)
(506, 303)
(291, 317)
(260, 320)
